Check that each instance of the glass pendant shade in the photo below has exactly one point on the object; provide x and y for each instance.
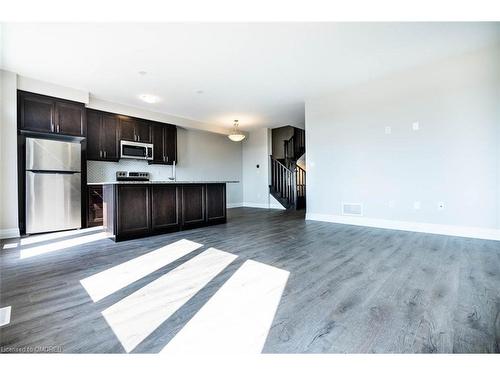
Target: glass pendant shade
(236, 135)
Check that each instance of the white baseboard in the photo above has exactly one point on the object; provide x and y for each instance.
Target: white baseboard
(262, 205)
(234, 205)
(449, 230)
(276, 206)
(9, 233)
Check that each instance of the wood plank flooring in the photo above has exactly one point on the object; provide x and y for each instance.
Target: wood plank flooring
(349, 289)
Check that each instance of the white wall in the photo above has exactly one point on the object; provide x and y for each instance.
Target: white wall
(453, 158)
(256, 150)
(187, 123)
(50, 89)
(8, 155)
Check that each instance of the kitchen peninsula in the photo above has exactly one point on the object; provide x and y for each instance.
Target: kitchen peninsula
(134, 209)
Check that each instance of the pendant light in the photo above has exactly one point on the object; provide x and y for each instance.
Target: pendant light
(236, 135)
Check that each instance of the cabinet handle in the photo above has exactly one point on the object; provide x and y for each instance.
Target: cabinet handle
(57, 126)
(167, 159)
(100, 153)
(105, 153)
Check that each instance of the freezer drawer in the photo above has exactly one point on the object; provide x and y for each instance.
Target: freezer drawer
(49, 155)
(53, 201)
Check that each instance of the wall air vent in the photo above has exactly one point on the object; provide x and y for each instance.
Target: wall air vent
(352, 209)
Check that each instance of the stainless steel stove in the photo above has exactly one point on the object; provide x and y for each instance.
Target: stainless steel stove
(132, 176)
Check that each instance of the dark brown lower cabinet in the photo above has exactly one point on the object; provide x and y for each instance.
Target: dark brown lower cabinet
(133, 211)
(216, 202)
(165, 207)
(139, 210)
(193, 205)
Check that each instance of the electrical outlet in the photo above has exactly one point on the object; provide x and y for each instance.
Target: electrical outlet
(388, 130)
(416, 205)
(415, 126)
(441, 206)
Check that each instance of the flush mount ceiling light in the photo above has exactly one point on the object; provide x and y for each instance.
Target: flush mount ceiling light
(151, 99)
(236, 135)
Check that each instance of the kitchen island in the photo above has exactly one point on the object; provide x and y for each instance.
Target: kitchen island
(133, 209)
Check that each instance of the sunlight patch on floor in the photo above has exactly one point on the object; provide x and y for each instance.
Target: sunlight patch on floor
(5, 315)
(36, 238)
(10, 246)
(107, 282)
(238, 317)
(60, 245)
(139, 314)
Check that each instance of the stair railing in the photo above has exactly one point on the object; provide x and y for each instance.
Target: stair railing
(283, 181)
(301, 181)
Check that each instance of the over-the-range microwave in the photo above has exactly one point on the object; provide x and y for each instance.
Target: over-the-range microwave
(136, 150)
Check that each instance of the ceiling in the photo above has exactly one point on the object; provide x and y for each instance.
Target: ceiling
(260, 73)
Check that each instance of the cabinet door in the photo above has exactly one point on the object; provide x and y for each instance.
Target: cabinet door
(165, 207)
(94, 122)
(158, 138)
(127, 129)
(143, 131)
(133, 211)
(170, 144)
(69, 118)
(95, 206)
(109, 137)
(37, 113)
(216, 202)
(193, 205)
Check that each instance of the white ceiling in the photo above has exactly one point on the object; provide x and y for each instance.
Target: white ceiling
(258, 73)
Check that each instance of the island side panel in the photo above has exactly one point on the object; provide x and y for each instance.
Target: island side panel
(109, 209)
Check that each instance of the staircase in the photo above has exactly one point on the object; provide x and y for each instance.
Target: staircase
(288, 179)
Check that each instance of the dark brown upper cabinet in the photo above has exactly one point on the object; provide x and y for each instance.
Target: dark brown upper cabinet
(127, 129)
(164, 138)
(143, 131)
(171, 144)
(132, 129)
(102, 136)
(105, 130)
(46, 114)
(69, 118)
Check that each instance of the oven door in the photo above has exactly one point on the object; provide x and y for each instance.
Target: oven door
(136, 150)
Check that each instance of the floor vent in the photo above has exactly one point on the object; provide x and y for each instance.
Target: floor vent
(352, 209)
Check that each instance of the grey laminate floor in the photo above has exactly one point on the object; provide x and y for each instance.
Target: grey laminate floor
(347, 289)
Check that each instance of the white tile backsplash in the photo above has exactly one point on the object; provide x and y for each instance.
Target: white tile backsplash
(104, 171)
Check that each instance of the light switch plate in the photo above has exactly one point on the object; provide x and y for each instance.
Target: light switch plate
(388, 130)
(416, 205)
(415, 126)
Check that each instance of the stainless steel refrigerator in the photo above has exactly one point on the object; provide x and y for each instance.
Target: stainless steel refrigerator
(53, 185)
